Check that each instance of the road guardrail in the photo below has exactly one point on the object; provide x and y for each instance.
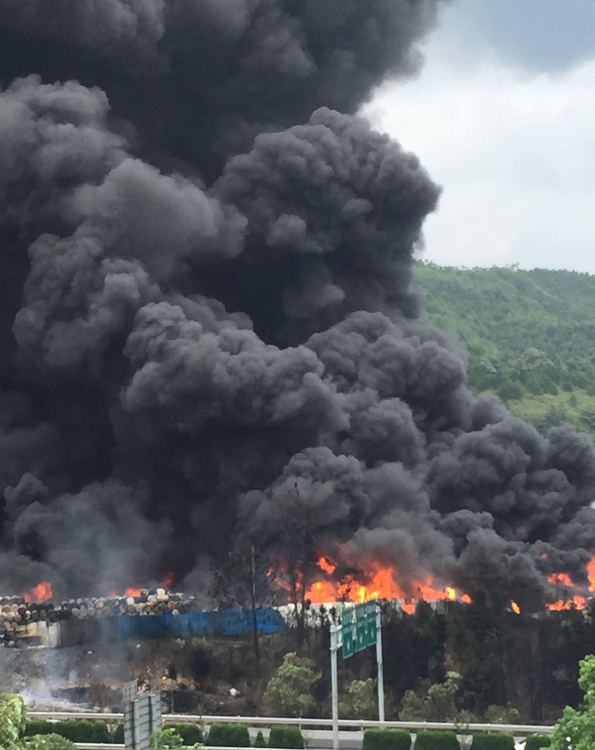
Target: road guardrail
(260, 721)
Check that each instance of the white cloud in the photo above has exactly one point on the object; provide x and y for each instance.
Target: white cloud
(514, 151)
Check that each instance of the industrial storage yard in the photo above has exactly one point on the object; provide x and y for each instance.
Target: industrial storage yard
(204, 660)
(146, 614)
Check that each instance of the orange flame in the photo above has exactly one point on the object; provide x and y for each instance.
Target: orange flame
(381, 585)
(560, 579)
(168, 580)
(575, 602)
(591, 573)
(40, 593)
(572, 598)
(326, 565)
(135, 591)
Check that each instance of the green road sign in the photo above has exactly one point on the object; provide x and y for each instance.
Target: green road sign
(361, 635)
(347, 631)
(361, 627)
(371, 623)
(366, 617)
(358, 626)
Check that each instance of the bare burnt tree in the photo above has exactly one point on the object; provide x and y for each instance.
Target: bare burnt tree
(297, 547)
(243, 580)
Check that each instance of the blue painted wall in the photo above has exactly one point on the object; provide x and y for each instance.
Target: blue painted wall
(222, 622)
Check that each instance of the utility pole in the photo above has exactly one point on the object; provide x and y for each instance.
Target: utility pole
(253, 603)
(380, 663)
(336, 643)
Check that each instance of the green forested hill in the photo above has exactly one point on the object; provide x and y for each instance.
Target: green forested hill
(530, 336)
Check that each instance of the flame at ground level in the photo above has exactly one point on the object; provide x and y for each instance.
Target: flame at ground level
(136, 591)
(380, 584)
(568, 595)
(43, 591)
(40, 593)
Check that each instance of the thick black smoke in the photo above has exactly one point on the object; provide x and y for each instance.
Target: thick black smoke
(206, 326)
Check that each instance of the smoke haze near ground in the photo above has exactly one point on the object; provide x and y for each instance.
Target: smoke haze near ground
(206, 326)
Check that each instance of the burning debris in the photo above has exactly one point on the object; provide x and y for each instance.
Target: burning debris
(206, 323)
(335, 586)
(380, 584)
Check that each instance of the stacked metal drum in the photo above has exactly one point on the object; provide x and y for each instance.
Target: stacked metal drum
(17, 615)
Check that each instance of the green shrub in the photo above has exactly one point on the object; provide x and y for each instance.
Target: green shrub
(82, 731)
(191, 734)
(100, 731)
(218, 735)
(496, 741)
(535, 741)
(239, 735)
(76, 731)
(260, 740)
(286, 737)
(118, 734)
(429, 740)
(229, 735)
(38, 727)
(165, 739)
(386, 739)
(51, 741)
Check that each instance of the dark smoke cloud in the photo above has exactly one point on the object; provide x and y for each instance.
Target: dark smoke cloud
(333, 212)
(206, 326)
(198, 79)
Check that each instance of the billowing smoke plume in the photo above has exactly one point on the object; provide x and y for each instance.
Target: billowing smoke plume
(206, 327)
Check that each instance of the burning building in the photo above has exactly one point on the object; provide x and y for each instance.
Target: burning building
(206, 326)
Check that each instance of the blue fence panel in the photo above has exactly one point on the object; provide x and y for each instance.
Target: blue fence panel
(269, 620)
(196, 624)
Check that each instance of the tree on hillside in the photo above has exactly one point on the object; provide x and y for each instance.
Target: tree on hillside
(289, 691)
(501, 715)
(432, 702)
(576, 728)
(529, 336)
(360, 701)
(99, 695)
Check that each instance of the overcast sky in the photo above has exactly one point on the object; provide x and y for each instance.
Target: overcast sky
(503, 117)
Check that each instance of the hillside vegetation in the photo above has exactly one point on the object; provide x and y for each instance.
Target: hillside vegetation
(530, 336)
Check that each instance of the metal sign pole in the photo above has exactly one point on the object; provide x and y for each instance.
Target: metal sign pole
(335, 645)
(380, 664)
